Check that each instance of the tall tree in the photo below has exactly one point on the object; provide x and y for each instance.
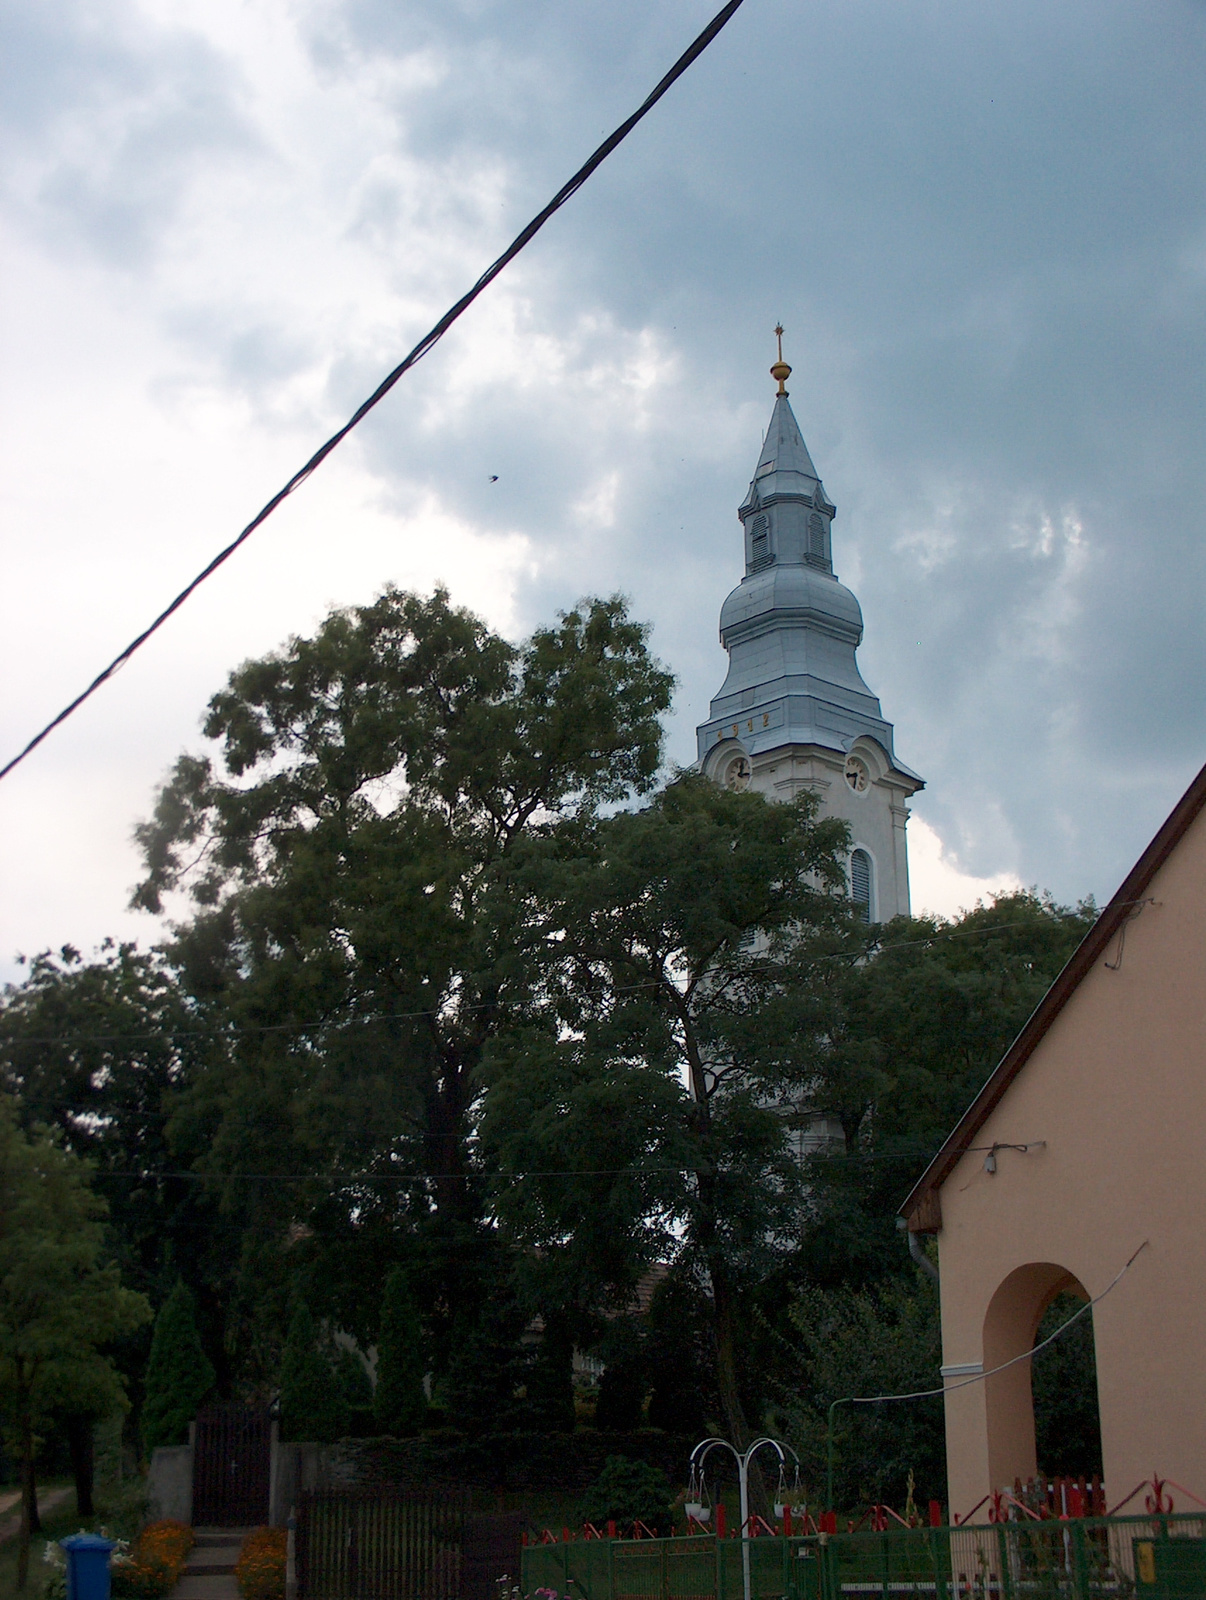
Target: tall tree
(313, 1403)
(399, 1401)
(108, 1050)
(179, 1374)
(863, 1342)
(59, 1304)
(101, 1049)
(336, 844)
(653, 1109)
(911, 1029)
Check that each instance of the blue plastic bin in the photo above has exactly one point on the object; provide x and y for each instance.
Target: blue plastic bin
(87, 1566)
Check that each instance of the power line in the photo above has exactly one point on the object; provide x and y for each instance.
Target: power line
(981, 1377)
(339, 1179)
(224, 1030)
(471, 1174)
(566, 192)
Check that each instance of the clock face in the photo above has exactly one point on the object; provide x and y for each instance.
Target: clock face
(858, 775)
(738, 773)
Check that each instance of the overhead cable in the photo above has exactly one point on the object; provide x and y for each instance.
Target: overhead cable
(981, 1377)
(566, 192)
(226, 1030)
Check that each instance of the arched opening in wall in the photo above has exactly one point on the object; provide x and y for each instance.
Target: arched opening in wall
(1063, 1382)
(1016, 1398)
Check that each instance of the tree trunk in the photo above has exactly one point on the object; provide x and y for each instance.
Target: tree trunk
(29, 1500)
(724, 1311)
(79, 1443)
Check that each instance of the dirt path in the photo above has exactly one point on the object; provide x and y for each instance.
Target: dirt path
(10, 1524)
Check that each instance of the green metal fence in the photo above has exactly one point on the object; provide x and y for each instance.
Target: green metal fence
(1118, 1558)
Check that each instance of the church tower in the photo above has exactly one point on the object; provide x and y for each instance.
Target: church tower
(794, 713)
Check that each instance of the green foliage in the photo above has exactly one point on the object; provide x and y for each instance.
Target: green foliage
(1067, 1423)
(646, 1111)
(851, 1342)
(59, 1306)
(104, 1050)
(478, 1390)
(677, 1358)
(549, 1379)
(352, 1380)
(911, 1031)
(179, 1374)
(399, 1403)
(313, 1404)
(419, 959)
(337, 839)
(628, 1491)
(622, 1387)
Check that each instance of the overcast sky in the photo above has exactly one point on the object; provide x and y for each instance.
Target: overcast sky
(983, 226)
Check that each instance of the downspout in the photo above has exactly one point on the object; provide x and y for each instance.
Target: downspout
(915, 1250)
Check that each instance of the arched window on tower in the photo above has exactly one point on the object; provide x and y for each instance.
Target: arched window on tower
(760, 541)
(860, 883)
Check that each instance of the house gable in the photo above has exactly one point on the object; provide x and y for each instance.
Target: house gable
(923, 1208)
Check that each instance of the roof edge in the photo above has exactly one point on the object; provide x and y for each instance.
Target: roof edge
(1077, 967)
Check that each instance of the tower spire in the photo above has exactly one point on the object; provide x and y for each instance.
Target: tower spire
(794, 714)
(780, 371)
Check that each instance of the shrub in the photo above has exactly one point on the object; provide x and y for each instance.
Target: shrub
(631, 1491)
(152, 1567)
(179, 1374)
(567, 1463)
(260, 1570)
(312, 1402)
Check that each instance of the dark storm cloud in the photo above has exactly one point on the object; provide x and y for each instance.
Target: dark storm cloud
(984, 227)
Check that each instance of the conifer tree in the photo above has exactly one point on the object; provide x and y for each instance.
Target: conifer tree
(356, 1388)
(486, 1367)
(312, 1401)
(179, 1373)
(399, 1403)
(549, 1405)
(622, 1387)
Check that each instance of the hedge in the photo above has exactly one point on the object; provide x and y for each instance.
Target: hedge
(566, 1462)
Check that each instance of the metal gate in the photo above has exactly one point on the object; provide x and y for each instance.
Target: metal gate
(492, 1549)
(232, 1459)
(390, 1543)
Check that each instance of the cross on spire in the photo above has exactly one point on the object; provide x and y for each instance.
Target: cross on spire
(780, 371)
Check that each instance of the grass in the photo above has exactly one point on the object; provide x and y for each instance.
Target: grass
(119, 1511)
(56, 1525)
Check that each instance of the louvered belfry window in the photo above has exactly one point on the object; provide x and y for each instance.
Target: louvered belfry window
(860, 883)
(759, 541)
(816, 537)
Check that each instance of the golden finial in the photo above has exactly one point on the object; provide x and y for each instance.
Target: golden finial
(780, 371)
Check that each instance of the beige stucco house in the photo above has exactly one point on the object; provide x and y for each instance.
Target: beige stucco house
(1087, 1144)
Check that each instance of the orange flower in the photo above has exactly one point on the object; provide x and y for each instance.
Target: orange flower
(155, 1563)
(260, 1570)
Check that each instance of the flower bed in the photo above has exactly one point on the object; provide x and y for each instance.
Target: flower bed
(260, 1570)
(151, 1567)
